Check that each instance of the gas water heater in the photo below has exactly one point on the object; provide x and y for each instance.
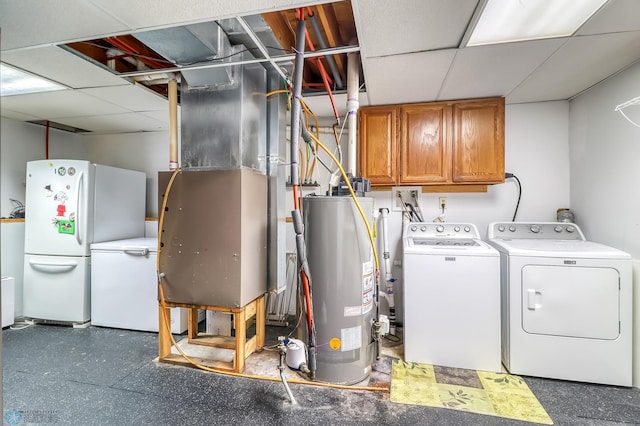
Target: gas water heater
(343, 286)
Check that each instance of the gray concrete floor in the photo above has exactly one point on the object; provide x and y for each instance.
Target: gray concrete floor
(101, 376)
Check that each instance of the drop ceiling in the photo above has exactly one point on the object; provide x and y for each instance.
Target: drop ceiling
(411, 52)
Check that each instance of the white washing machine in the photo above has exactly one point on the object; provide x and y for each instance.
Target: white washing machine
(451, 297)
(567, 304)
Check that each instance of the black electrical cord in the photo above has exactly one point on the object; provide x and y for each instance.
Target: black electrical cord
(508, 176)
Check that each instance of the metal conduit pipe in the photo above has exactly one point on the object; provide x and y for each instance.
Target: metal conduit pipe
(323, 45)
(295, 101)
(173, 123)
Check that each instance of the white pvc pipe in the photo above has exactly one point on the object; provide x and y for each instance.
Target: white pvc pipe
(385, 245)
(388, 277)
(353, 103)
(173, 124)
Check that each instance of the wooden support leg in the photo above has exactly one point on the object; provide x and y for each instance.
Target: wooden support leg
(240, 320)
(164, 335)
(192, 328)
(260, 322)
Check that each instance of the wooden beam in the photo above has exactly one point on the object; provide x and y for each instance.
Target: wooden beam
(281, 29)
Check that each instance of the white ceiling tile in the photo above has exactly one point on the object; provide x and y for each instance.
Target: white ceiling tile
(405, 26)
(18, 115)
(59, 65)
(616, 16)
(494, 70)
(151, 13)
(131, 97)
(63, 103)
(35, 22)
(114, 123)
(415, 77)
(162, 117)
(578, 65)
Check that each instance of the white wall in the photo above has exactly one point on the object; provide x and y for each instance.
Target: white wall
(147, 152)
(536, 150)
(22, 142)
(605, 173)
(605, 162)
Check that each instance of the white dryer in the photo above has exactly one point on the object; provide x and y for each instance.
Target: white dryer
(566, 304)
(451, 297)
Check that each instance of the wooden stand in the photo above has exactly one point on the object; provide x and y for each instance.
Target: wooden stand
(243, 347)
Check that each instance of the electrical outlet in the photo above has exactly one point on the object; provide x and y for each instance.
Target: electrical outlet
(408, 194)
(442, 203)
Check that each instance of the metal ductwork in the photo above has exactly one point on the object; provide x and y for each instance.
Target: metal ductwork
(191, 44)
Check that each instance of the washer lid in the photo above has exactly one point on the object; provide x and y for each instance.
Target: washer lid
(558, 248)
(130, 244)
(446, 246)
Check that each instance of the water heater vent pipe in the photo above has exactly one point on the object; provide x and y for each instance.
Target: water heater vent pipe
(173, 123)
(353, 103)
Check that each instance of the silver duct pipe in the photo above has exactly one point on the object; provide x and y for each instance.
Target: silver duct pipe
(323, 45)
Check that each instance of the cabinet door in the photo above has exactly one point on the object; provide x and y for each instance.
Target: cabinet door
(478, 141)
(425, 143)
(377, 145)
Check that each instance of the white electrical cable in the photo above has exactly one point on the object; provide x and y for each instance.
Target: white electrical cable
(630, 102)
(628, 119)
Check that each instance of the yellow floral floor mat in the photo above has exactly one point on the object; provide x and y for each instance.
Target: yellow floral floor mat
(481, 392)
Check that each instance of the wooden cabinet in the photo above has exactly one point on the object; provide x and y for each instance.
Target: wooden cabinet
(425, 144)
(378, 146)
(437, 143)
(478, 141)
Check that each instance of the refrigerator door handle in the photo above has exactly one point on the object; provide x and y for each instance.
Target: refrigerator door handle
(52, 267)
(78, 212)
(139, 251)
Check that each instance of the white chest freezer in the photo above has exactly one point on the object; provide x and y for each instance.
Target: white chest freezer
(124, 286)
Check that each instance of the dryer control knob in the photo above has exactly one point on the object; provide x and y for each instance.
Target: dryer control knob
(501, 228)
(467, 229)
(414, 228)
(512, 228)
(535, 228)
(423, 228)
(570, 228)
(558, 228)
(440, 228)
(456, 228)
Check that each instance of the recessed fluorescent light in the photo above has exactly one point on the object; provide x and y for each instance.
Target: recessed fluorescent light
(504, 21)
(17, 82)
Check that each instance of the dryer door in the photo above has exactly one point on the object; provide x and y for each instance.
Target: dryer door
(571, 301)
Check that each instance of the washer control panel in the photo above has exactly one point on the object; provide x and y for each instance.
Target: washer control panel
(441, 230)
(535, 230)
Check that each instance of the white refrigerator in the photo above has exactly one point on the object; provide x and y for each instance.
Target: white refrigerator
(71, 204)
